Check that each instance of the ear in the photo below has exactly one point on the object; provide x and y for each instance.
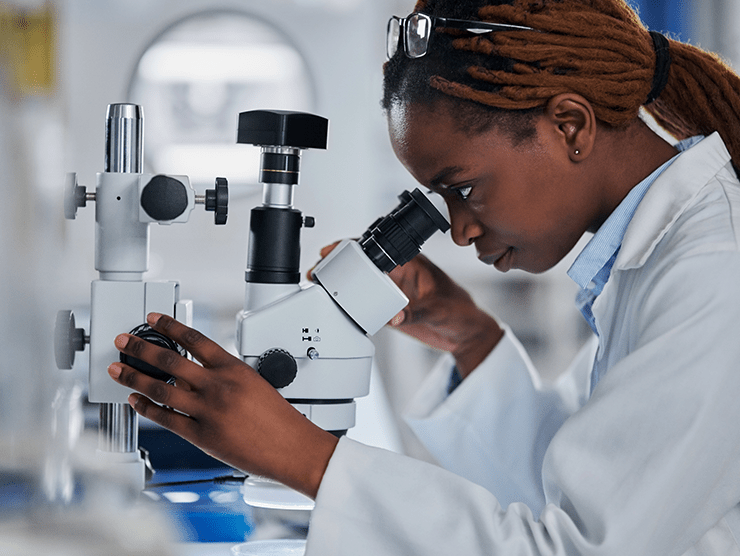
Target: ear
(574, 123)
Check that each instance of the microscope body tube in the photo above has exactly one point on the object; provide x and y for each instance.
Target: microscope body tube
(333, 356)
(120, 299)
(121, 241)
(325, 328)
(329, 355)
(121, 254)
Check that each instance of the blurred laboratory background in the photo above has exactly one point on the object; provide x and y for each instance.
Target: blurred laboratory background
(193, 65)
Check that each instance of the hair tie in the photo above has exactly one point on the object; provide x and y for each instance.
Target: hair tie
(662, 65)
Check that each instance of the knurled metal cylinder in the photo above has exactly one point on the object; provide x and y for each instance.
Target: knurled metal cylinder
(124, 138)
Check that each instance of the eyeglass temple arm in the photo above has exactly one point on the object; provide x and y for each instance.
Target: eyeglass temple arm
(464, 24)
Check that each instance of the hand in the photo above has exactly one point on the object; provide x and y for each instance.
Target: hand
(442, 314)
(225, 408)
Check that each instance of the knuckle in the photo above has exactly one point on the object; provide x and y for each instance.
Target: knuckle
(166, 323)
(136, 347)
(164, 418)
(222, 393)
(192, 337)
(141, 406)
(167, 359)
(159, 392)
(128, 378)
(152, 411)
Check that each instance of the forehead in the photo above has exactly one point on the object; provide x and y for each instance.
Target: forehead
(429, 141)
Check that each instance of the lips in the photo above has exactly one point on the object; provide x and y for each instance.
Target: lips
(503, 262)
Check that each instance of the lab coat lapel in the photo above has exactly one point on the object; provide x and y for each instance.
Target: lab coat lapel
(668, 198)
(661, 207)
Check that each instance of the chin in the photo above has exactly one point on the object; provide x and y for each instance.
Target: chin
(534, 267)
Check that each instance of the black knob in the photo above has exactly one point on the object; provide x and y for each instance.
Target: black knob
(164, 198)
(146, 332)
(278, 367)
(217, 201)
(67, 339)
(280, 128)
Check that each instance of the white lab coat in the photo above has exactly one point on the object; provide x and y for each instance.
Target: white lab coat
(649, 465)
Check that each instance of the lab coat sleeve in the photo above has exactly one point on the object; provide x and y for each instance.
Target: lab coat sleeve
(495, 427)
(647, 466)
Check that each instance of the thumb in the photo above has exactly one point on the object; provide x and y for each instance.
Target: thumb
(328, 249)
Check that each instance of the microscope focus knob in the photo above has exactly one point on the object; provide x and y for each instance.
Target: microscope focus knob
(68, 339)
(217, 201)
(147, 333)
(164, 198)
(75, 196)
(278, 367)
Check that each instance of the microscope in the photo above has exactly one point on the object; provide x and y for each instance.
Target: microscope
(127, 201)
(311, 342)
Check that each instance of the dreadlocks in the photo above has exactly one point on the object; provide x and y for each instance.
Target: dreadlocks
(596, 48)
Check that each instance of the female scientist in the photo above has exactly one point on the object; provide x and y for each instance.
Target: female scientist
(532, 136)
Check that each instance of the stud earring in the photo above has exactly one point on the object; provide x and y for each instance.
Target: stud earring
(577, 152)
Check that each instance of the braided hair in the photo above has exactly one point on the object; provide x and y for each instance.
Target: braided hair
(598, 49)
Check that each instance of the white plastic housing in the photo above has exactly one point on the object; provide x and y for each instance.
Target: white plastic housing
(304, 321)
(324, 327)
(367, 295)
(122, 225)
(118, 307)
(121, 240)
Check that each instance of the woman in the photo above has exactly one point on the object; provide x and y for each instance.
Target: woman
(532, 135)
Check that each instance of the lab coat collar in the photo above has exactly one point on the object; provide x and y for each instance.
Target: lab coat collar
(668, 198)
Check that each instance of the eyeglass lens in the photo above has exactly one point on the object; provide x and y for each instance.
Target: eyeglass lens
(415, 29)
(392, 37)
(418, 28)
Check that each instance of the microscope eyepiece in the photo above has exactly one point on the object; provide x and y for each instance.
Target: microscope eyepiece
(395, 239)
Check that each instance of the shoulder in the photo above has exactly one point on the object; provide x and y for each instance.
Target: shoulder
(710, 222)
(692, 208)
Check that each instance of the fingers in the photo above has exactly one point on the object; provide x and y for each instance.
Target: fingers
(162, 358)
(154, 389)
(328, 249)
(398, 319)
(323, 253)
(208, 352)
(178, 423)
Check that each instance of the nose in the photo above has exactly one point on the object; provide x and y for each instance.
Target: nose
(464, 228)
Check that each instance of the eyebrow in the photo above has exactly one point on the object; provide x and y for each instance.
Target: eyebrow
(444, 175)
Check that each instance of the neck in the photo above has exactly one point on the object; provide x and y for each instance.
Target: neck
(628, 157)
